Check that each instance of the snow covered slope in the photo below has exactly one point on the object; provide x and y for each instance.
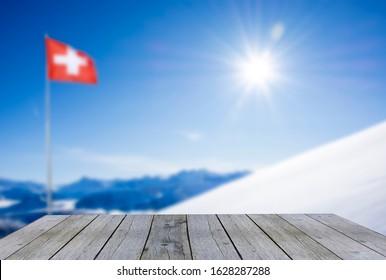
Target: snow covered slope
(346, 177)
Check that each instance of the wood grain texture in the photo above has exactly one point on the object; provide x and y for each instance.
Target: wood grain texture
(251, 242)
(199, 237)
(209, 240)
(87, 244)
(50, 242)
(295, 243)
(340, 244)
(365, 236)
(168, 239)
(128, 241)
(17, 240)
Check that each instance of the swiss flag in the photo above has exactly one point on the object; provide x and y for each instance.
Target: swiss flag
(67, 64)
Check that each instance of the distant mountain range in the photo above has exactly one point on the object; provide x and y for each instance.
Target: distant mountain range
(21, 196)
(23, 202)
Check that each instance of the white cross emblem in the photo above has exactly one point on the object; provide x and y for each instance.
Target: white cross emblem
(71, 60)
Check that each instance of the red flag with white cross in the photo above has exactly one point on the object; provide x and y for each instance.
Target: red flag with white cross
(66, 64)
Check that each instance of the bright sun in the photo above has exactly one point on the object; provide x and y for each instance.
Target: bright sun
(257, 71)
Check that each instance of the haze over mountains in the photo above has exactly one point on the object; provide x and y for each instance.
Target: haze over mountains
(23, 202)
(346, 177)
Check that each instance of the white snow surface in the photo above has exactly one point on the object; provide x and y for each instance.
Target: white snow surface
(346, 177)
(64, 204)
(4, 203)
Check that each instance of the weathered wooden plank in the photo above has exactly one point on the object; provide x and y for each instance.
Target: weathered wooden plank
(17, 240)
(341, 245)
(250, 241)
(209, 240)
(47, 244)
(87, 244)
(367, 237)
(128, 241)
(297, 244)
(316, 236)
(168, 239)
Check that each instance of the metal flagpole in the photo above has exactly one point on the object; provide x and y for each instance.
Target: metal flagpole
(48, 142)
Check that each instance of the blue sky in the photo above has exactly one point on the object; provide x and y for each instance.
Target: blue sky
(170, 93)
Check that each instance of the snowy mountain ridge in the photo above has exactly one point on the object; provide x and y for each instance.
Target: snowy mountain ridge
(346, 177)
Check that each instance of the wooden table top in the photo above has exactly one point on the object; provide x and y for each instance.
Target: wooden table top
(197, 237)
